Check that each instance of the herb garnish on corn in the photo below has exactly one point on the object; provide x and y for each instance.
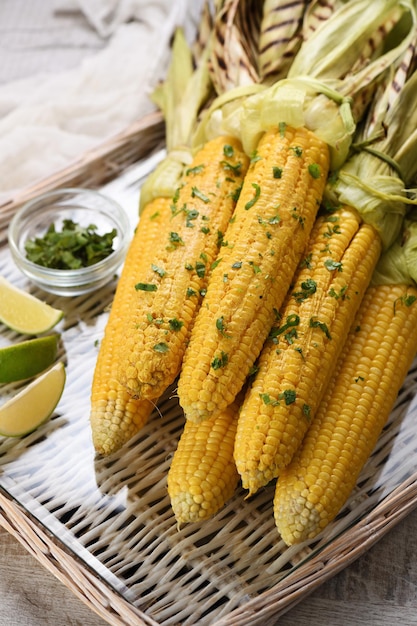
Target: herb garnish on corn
(290, 130)
(381, 345)
(115, 417)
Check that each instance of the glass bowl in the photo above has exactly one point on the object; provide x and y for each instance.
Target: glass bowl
(85, 207)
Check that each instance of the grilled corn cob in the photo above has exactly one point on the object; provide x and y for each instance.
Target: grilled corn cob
(203, 475)
(169, 293)
(115, 416)
(297, 360)
(264, 244)
(378, 353)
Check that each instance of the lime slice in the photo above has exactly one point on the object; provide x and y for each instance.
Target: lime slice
(24, 313)
(27, 358)
(32, 406)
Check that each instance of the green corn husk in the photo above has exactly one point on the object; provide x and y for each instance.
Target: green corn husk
(180, 98)
(398, 264)
(319, 90)
(376, 178)
(342, 41)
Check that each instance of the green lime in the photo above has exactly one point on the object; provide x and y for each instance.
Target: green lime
(34, 404)
(24, 313)
(27, 358)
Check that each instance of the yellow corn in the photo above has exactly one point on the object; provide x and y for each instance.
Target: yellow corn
(265, 241)
(115, 417)
(170, 291)
(203, 474)
(297, 360)
(377, 355)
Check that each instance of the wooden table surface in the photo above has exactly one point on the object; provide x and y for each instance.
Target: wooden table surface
(379, 589)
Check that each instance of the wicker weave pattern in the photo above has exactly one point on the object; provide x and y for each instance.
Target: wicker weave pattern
(105, 526)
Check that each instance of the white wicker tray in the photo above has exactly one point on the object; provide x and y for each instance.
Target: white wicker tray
(105, 528)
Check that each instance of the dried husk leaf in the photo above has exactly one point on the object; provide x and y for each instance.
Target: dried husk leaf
(280, 38)
(375, 179)
(320, 86)
(233, 45)
(336, 45)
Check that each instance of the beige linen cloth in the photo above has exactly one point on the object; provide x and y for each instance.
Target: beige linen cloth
(47, 121)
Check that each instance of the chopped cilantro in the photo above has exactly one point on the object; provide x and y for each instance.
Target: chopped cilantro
(255, 198)
(314, 170)
(308, 287)
(307, 411)
(146, 287)
(175, 239)
(266, 399)
(220, 361)
(161, 347)
(288, 395)
(236, 169)
(314, 323)
(236, 193)
(73, 247)
(331, 265)
(159, 270)
(200, 269)
(192, 215)
(195, 170)
(175, 324)
(221, 327)
(256, 268)
(196, 193)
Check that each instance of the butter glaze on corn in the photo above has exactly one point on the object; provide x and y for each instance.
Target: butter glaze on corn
(115, 417)
(269, 232)
(377, 355)
(298, 358)
(170, 291)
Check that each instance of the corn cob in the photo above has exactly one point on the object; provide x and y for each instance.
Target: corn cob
(265, 241)
(115, 417)
(379, 351)
(170, 291)
(297, 360)
(203, 474)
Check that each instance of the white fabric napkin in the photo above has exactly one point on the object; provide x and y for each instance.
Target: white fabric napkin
(47, 121)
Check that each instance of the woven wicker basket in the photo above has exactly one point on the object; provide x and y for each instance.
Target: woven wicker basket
(105, 528)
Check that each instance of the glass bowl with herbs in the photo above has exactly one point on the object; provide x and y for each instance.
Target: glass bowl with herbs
(69, 241)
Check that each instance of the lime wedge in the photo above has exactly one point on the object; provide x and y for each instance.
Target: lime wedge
(32, 406)
(24, 313)
(27, 358)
